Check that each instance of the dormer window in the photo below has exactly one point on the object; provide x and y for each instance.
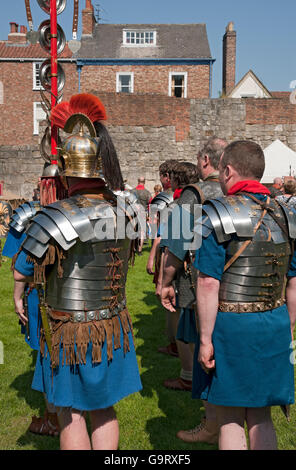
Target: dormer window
(139, 38)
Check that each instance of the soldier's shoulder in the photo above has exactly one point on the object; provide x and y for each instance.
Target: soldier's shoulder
(23, 214)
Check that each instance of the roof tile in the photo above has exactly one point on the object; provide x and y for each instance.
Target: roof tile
(27, 51)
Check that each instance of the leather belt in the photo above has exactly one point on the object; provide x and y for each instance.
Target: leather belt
(249, 307)
(90, 315)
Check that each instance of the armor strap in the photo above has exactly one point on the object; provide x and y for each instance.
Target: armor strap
(198, 190)
(275, 218)
(265, 205)
(247, 242)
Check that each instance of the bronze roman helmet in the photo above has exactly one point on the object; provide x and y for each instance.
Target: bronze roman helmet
(79, 155)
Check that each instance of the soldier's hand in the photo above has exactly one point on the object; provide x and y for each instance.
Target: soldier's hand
(19, 310)
(149, 266)
(168, 298)
(206, 357)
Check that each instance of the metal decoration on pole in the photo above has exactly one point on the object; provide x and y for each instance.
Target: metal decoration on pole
(54, 76)
(52, 40)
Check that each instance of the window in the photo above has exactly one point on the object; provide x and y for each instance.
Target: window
(139, 38)
(178, 84)
(36, 76)
(38, 115)
(125, 82)
(1, 93)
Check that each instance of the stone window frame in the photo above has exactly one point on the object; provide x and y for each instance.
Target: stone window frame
(36, 105)
(185, 74)
(118, 88)
(136, 32)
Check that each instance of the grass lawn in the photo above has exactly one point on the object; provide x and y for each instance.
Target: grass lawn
(148, 420)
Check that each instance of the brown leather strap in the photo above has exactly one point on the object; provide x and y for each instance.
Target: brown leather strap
(28, 12)
(275, 218)
(269, 209)
(75, 17)
(198, 190)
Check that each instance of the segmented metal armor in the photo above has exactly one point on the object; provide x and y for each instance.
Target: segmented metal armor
(82, 265)
(258, 253)
(186, 277)
(23, 214)
(161, 201)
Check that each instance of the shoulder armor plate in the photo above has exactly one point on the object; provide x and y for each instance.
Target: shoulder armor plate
(65, 222)
(238, 215)
(23, 215)
(161, 200)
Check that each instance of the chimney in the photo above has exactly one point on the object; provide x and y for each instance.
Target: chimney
(229, 59)
(15, 36)
(88, 19)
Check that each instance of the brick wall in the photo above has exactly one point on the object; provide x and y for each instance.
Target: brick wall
(148, 110)
(270, 111)
(147, 79)
(18, 97)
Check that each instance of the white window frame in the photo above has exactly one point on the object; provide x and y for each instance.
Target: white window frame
(36, 85)
(171, 74)
(118, 74)
(37, 116)
(1, 93)
(136, 32)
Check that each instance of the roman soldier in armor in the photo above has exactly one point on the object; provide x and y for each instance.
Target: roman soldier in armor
(246, 315)
(178, 266)
(26, 300)
(73, 252)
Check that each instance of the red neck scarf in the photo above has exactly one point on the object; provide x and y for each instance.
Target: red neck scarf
(140, 186)
(248, 186)
(86, 184)
(177, 193)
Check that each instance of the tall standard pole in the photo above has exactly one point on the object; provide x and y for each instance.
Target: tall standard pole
(54, 75)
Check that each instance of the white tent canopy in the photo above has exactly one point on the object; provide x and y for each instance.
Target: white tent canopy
(280, 161)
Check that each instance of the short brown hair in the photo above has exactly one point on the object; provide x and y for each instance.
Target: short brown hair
(185, 173)
(158, 188)
(246, 157)
(167, 166)
(290, 187)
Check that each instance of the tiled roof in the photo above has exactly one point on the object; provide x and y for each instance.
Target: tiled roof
(281, 94)
(27, 51)
(173, 41)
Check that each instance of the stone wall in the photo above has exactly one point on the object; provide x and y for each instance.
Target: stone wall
(149, 129)
(20, 167)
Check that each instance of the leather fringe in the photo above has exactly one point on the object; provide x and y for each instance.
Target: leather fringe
(53, 252)
(74, 338)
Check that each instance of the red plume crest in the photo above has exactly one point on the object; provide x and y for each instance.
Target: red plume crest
(83, 103)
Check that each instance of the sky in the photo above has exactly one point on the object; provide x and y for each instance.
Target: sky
(266, 33)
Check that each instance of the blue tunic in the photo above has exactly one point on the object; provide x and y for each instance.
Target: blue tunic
(252, 350)
(87, 386)
(177, 238)
(11, 247)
